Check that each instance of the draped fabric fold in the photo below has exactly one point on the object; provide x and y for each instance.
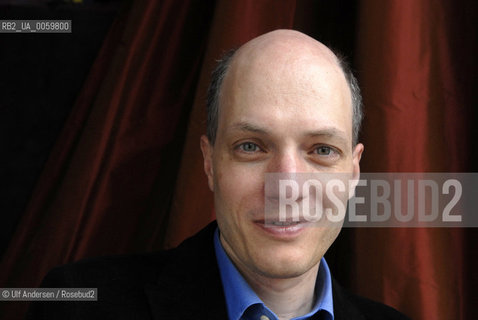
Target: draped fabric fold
(126, 174)
(418, 101)
(106, 187)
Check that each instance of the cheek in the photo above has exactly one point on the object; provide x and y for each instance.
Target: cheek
(239, 190)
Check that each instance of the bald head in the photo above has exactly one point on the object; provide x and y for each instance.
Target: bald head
(287, 47)
(278, 55)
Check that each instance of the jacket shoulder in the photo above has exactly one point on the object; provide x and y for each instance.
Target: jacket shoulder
(119, 280)
(109, 270)
(135, 286)
(130, 269)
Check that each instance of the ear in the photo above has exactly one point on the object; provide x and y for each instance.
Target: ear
(207, 150)
(356, 156)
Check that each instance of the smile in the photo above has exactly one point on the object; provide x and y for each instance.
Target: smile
(281, 230)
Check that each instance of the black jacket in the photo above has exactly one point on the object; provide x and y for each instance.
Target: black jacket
(181, 283)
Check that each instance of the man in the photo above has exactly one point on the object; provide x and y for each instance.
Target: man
(281, 103)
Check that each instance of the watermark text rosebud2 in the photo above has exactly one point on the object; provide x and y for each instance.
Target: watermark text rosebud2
(373, 199)
(312, 191)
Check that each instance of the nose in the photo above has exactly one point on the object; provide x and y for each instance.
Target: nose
(284, 166)
(287, 161)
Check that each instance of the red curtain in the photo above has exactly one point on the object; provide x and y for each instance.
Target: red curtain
(107, 185)
(126, 173)
(413, 60)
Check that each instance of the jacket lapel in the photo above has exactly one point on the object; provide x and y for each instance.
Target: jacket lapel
(344, 307)
(189, 284)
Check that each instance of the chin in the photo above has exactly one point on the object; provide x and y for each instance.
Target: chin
(284, 272)
(284, 267)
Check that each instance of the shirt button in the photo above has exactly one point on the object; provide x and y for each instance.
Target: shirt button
(263, 317)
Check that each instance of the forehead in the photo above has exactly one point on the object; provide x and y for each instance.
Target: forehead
(286, 90)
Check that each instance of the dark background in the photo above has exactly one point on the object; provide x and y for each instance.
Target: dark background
(41, 76)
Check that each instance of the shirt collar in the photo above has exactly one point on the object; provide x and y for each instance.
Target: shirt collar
(240, 296)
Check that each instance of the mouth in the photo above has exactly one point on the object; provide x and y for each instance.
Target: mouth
(281, 230)
(282, 223)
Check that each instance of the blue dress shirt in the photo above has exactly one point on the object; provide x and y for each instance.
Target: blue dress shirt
(243, 304)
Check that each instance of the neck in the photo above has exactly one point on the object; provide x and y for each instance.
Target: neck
(287, 298)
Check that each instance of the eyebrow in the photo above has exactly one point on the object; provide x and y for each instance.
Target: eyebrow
(333, 133)
(329, 132)
(245, 126)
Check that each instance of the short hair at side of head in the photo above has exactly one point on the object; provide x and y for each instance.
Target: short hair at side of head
(214, 91)
(357, 106)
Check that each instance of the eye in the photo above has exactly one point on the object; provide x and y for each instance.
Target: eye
(323, 150)
(249, 147)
